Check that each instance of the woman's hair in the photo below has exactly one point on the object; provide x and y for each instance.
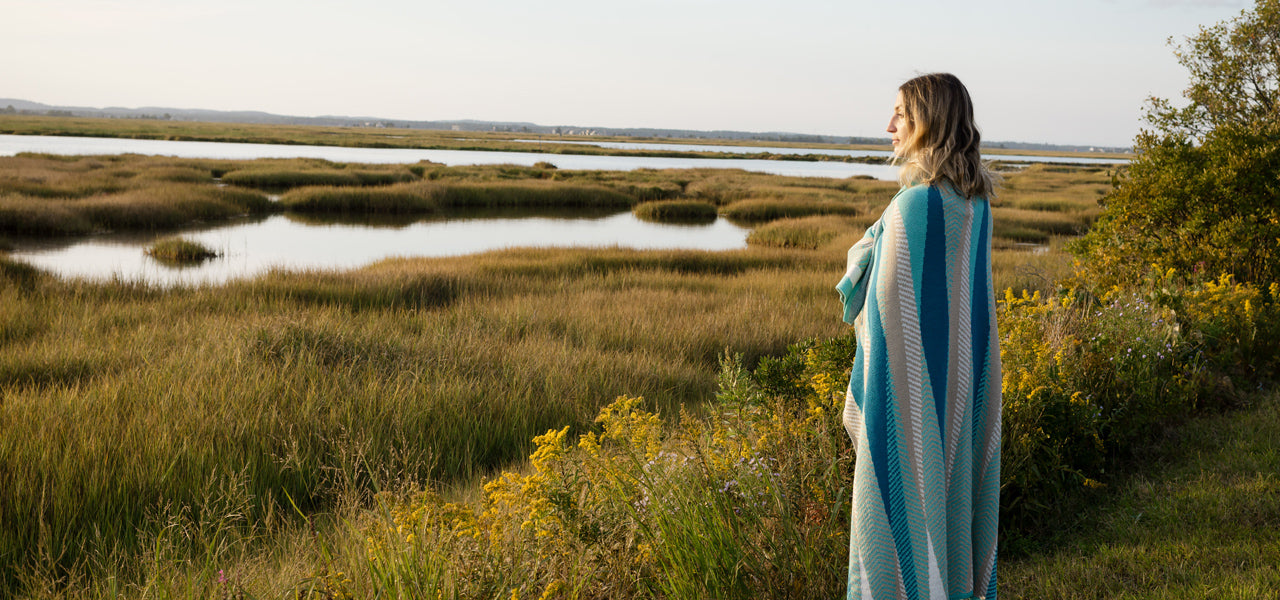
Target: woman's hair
(944, 138)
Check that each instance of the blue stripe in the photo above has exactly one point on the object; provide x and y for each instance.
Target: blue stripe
(980, 310)
(935, 319)
(896, 508)
(875, 401)
(991, 586)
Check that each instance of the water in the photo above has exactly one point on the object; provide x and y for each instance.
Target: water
(657, 146)
(67, 145)
(254, 246)
(885, 154)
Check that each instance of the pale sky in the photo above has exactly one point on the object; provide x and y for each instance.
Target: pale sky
(1063, 72)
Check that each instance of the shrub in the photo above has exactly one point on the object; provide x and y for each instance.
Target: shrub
(750, 501)
(1087, 379)
(1236, 325)
(1211, 208)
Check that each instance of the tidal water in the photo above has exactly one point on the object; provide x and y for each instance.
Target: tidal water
(13, 144)
(250, 247)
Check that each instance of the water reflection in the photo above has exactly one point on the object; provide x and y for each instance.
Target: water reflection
(252, 246)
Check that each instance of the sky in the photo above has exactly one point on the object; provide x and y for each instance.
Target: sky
(1060, 72)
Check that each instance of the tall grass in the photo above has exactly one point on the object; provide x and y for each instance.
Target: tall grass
(129, 397)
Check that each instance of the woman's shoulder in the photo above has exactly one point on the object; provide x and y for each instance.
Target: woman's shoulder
(911, 198)
(920, 194)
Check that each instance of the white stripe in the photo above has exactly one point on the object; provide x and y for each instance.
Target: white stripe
(962, 366)
(912, 351)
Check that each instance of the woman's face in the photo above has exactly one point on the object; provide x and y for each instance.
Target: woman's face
(899, 125)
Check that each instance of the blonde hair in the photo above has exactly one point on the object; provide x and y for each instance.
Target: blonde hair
(944, 139)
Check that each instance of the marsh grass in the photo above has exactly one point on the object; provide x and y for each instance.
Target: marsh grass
(392, 199)
(134, 402)
(807, 232)
(43, 195)
(761, 210)
(435, 369)
(675, 211)
(335, 175)
(530, 193)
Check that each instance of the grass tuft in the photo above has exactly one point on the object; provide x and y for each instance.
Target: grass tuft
(180, 251)
(675, 211)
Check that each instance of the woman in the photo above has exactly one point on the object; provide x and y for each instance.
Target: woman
(923, 405)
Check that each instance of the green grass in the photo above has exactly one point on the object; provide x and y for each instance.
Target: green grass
(1197, 518)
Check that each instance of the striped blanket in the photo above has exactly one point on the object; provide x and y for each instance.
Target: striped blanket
(923, 405)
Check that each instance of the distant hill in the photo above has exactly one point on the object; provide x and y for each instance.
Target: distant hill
(27, 107)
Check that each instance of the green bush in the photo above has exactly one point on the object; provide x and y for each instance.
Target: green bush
(1088, 379)
(1211, 208)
